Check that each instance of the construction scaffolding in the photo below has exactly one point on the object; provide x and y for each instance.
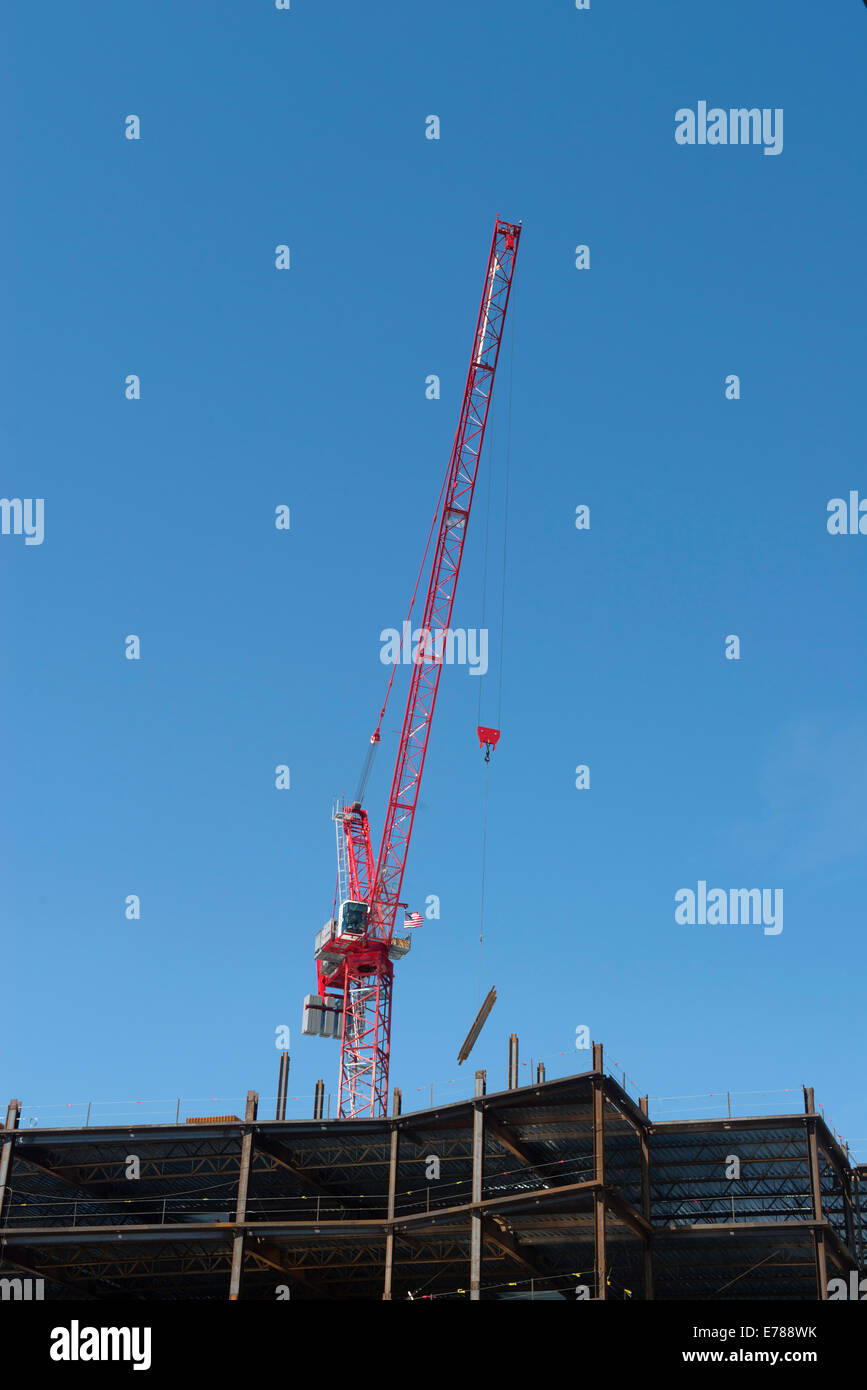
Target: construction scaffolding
(557, 1189)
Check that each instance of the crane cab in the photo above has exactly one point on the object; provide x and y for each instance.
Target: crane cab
(349, 925)
(351, 920)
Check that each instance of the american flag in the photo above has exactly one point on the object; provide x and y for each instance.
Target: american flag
(414, 919)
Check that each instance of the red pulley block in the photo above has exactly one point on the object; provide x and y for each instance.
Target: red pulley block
(488, 739)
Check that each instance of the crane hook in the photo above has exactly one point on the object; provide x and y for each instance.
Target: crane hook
(488, 739)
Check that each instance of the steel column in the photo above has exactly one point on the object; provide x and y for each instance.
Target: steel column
(598, 1115)
(599, 1242)
(243, 1183)
(393, 1160)
(860, 1245)
(599, 1172)
(478, 1167)
(816, 1192)
(644, 1141)
(512, 1077)
(282, 1085)
(848, 1207)
(13, 1115)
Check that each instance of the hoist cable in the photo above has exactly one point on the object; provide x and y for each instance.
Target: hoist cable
(506, 520)
(502, 630)
(484, 867)
(374, 741)
(485, 565)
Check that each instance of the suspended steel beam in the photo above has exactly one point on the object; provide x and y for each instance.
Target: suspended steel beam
(480, 1020)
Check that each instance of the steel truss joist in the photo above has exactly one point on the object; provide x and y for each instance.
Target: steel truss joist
(198, 1159)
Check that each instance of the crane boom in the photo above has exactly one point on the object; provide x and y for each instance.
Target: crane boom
(460, 484)
(356, 950)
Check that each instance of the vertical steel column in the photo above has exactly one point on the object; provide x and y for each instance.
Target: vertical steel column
(478, 1166)
(13, 1115)
(319, 1100)
(816, 1191)
(646, 1208)
(512, 1079)
(540, 1073)
(848, 1203)
(282, 1085)
(393, 1160)
(860, 1243)
(599, 1173)
(243, 1183)
(848, 1209)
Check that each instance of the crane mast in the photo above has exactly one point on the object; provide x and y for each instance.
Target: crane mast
(357, 949)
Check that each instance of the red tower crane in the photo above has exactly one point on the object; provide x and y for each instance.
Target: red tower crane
(357, 948)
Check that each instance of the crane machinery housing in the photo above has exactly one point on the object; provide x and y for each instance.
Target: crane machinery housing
(356, 949)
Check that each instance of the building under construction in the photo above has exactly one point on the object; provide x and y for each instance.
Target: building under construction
(556, 1189)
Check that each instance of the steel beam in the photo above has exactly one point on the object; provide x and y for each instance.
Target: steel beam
(284, 1158)
(274, 1257)
(510, 1141)
(502, 1239)
(30, 1264)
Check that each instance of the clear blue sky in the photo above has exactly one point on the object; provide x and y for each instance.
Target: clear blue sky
(306, 387)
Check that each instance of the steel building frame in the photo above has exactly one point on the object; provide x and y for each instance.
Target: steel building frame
(555, 1189)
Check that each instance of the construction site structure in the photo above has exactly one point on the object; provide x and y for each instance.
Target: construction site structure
(558, 1189)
